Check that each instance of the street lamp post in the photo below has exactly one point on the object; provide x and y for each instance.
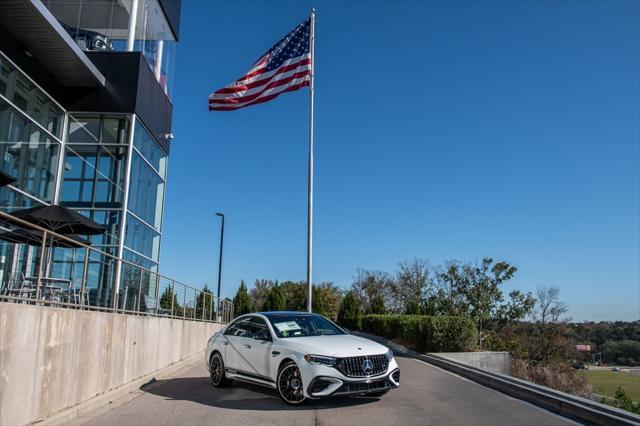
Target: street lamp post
(219, 214)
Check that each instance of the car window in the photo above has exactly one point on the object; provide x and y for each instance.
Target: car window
(240, 328)
(257, 325)
(303, 325)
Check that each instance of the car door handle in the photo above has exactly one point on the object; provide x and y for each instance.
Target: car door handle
(247, 346)
(275, 353)
(225, 343)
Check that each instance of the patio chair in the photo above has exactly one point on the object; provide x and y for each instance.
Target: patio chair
(19, 286)
(73, 294)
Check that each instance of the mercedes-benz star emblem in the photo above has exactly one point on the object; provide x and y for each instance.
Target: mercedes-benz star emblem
(367, 366)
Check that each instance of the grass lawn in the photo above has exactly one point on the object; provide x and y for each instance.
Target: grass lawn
(607, 382)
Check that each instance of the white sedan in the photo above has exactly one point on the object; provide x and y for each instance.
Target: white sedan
(301, 355)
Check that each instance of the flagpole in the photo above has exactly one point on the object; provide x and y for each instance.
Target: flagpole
(310, 181)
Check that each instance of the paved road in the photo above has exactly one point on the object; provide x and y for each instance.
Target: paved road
(427, 396)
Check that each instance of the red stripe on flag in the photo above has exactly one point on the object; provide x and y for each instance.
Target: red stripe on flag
(258, 83)
(265, 99)
(243, 99)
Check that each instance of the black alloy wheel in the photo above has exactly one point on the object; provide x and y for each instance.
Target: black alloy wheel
(290, 386)
(216, 371)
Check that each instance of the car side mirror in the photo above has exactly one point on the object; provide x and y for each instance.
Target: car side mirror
(262, 335)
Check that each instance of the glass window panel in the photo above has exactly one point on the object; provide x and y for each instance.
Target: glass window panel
(101, 187)
(84, 129)
(150, 150)
(71, 191)
(146, 192)
(110, 218)
(27, 153)
(114, 130)
(141, 238)
(17, 88)
(104, 25)
(11, 200)
(139, 260)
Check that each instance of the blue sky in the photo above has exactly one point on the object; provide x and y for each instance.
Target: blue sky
(444, 130)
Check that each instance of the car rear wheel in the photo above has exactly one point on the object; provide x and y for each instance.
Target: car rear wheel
(290, 386)
(216, 372)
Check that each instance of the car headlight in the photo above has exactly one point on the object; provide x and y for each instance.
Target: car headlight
(321, 359)
(389, 355)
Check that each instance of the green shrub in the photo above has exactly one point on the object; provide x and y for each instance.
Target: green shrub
(425, 333)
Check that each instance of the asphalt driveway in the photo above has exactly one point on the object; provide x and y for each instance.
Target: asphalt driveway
(427, 396)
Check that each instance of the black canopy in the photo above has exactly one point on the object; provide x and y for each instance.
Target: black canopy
(33, 237)
(61, 220)
(6, 179)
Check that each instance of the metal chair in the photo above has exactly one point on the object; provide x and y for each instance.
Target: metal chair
(19, 286)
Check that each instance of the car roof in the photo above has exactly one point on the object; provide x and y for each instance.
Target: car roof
(286, 314)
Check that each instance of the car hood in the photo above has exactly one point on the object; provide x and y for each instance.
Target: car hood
(342, 345)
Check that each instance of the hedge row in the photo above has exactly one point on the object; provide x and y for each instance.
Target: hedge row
(425, 333)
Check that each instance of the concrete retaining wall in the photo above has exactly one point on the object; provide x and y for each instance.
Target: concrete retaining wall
(54, 358)
(496, 362)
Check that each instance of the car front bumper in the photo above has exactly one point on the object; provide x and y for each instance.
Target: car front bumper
(324, 386)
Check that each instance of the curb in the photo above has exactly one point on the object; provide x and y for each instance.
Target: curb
(104, 399)
(567, 405)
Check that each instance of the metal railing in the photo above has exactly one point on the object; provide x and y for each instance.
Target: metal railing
(39, 266)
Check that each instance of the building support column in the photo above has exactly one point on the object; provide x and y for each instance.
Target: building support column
(125, 207)
(133, 20)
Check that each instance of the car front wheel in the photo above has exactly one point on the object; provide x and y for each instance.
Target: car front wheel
(216, 371)
(290, 386)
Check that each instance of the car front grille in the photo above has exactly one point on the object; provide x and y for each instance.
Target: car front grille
(362, 387)
(354, 366)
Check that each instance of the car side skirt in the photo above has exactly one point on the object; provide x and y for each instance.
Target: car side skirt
(250, 378)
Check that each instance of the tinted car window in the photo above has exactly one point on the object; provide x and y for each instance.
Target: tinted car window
(240, 328)
(257, 325)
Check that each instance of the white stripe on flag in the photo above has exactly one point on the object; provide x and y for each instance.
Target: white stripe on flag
(242, 93)
(267, 92)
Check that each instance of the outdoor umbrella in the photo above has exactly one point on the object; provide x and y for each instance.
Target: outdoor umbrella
(6, 179)
(34, 238)
(61, 220)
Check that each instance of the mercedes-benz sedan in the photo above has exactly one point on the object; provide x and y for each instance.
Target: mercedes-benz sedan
(301, 355)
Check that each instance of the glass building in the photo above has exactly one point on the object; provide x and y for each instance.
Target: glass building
(85, 122)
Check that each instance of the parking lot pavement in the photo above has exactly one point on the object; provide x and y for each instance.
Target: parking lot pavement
(427, 396)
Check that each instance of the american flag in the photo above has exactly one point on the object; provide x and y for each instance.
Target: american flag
(284, 68)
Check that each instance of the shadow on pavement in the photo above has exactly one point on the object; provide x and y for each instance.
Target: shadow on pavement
(240, 396)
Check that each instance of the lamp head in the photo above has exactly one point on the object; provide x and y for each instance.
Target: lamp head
(219, 214)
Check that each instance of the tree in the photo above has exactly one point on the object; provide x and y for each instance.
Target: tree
(548, 315)
(259, 293)
(483, 292)
(621, 352)
(412, 307)
(349, 313)
(295, 295)
(369, 284)
(275, 299)
(165, 302)
(204, 308)
(519, 306)
(413, 283)
(326, 299)
(451, 286)
(242, 301)
(377, 306)
(318, 305)
(475, 291)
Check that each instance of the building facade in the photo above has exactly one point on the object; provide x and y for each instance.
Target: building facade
(85, 122)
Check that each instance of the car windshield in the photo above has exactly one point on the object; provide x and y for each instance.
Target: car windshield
(303, 325)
